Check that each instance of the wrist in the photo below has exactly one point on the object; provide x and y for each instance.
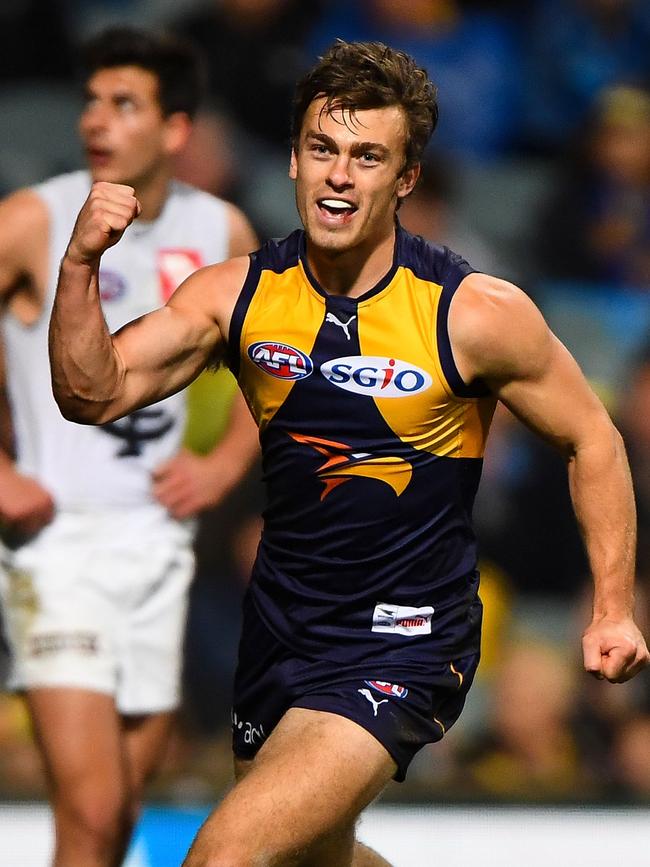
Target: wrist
(75, 260)
(616, 612)
(222, 467)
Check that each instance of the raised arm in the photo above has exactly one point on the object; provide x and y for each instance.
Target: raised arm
(498, 334)
(98, 377)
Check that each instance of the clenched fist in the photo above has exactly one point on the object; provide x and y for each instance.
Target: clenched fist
(107, 212)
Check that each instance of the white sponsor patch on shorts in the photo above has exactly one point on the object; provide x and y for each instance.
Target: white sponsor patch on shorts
(402, 619)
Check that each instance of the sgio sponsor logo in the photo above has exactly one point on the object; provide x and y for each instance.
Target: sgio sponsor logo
(280, 359)
(376, 376)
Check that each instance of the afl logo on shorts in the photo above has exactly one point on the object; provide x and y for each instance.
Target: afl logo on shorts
(280, 360)
(393, 689)
(376, 376)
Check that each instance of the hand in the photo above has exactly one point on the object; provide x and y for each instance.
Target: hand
(105, 215)
(25, 506)
(614, 649)
(189, 483)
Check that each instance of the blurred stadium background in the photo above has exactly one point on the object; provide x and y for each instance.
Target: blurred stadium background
(539, 173)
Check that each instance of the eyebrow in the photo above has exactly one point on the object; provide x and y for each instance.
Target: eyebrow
(357, 148)
(120, 93)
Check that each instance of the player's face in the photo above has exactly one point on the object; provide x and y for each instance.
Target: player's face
(125, 135)
(349, 175)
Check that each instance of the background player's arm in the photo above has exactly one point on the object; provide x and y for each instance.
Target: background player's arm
(499, 335)
(98, 377)
(25, 506)
(24, 228)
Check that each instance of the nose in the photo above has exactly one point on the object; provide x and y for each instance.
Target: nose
(339, 177)
(93, 118)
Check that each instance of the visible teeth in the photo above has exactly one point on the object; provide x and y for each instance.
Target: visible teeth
(337, 204)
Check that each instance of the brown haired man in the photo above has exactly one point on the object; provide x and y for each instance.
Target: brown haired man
(372, 362)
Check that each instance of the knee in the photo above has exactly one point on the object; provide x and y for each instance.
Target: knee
(98, 818)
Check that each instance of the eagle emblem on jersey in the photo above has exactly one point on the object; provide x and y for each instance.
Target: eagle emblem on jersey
(344, 464)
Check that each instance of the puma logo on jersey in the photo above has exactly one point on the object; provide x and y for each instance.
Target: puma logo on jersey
(375, 704)
(344, 325)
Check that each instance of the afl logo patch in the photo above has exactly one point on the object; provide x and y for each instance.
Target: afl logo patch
(280, 360)
(386, 688)
(376, 376)
(112, 285)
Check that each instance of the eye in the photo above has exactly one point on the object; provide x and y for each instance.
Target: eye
(369, 158)
(124, 103)
(319, 149)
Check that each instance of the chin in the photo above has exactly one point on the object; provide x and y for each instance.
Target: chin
(333, 240)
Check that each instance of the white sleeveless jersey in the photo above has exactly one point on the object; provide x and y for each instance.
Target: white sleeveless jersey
(108, 466)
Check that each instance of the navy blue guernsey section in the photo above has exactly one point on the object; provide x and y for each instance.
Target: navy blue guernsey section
(343, 541)
(432, 262)
(273, 256)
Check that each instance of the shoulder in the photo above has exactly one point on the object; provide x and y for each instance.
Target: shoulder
(21, 210)
(212, 291)
(495, 328)
(242, 237)
(279, 255)
(71, 184)
(24, 230)
(211, 283)
(432, 262)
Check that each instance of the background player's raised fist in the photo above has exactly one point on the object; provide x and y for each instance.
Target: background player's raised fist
(106, 213)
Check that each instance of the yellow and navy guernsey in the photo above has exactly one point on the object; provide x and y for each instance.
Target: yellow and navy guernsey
(372, 451)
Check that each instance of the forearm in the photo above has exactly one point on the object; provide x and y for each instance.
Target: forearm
(239, 447)
(86, 371)
(603, 499)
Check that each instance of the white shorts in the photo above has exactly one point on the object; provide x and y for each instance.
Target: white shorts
(99, 602)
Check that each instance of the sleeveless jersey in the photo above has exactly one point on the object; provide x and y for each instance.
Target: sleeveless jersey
(372, 452)
(85, 466)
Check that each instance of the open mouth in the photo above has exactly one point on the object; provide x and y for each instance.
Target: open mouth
(98, 155)
(336, 211)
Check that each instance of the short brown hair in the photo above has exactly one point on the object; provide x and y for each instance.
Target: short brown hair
(175, 62)
(363, 75)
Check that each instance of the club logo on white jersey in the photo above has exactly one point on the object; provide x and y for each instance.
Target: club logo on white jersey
(375, 704)
(344, 325)
(376, 376)
(280, 359)
(175, 265)
(402, 619)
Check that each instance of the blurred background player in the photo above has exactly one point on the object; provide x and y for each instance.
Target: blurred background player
(97, 560)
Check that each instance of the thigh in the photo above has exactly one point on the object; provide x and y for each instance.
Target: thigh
(305, 789)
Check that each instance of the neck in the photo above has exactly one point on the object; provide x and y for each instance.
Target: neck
(352, 272)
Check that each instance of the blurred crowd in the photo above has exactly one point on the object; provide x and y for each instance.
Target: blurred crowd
(539, 173)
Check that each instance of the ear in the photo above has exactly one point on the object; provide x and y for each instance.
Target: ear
(293, 165)
(407, 181)
(178, 127)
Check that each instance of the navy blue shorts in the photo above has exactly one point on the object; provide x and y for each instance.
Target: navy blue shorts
(404, 709)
